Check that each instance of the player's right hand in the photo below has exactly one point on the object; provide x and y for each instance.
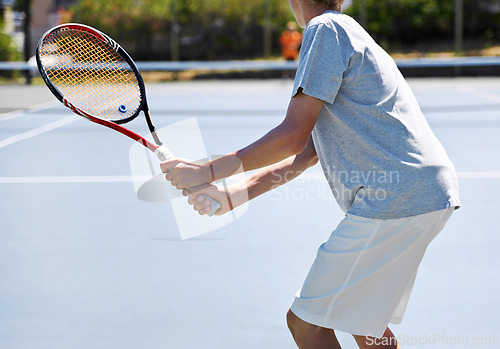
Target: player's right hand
(185, 174)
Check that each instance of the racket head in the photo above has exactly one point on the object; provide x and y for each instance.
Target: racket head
(90, 73)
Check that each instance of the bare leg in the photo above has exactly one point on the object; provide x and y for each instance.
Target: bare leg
(387, 341)
(309, 336)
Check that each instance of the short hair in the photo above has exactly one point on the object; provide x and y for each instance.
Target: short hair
(330, 4)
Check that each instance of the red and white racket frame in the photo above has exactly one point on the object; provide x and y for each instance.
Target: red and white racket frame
(160, 150)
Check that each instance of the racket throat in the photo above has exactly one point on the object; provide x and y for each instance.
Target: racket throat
(151, 127)
(156, 138)
(162, 151)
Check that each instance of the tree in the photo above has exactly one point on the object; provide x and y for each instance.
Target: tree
(209, 29)
(8, 50)
(409, 21)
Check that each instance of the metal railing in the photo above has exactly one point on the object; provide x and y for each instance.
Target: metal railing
(268, 65)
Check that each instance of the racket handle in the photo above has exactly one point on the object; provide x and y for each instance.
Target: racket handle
(164, 154)
(214, 205)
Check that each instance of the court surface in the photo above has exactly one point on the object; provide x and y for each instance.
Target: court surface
(85, 264)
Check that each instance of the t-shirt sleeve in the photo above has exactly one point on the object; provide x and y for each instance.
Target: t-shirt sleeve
(322, 62)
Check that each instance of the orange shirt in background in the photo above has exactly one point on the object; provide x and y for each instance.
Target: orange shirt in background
(290, 42)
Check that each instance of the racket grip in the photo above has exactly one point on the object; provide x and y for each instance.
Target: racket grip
(164, 154)
(214, 205)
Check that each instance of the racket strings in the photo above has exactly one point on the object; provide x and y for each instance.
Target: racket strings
(91, 74)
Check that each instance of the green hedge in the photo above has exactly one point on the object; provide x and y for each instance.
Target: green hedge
(8, 51)
(410, 21)
(215, 29)
(233, 29)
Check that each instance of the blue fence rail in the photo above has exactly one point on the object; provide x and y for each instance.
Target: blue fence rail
(267, 65)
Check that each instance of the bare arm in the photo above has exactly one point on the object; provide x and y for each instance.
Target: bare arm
(275, 175)
(262, 181)
(286, 140)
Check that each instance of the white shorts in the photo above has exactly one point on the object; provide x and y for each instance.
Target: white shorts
(363, 275)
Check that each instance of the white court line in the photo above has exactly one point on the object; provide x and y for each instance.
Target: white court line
(38, 131)
(472, 91)
(479, 174)
(462, 175)
(73, 179)
(129, 178)
(33, 109)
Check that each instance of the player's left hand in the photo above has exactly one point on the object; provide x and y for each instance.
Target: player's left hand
(197, 197)
(184, 174)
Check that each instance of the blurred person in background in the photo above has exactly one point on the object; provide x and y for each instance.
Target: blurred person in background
(290, 41)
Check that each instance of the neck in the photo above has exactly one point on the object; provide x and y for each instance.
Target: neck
(312, 11)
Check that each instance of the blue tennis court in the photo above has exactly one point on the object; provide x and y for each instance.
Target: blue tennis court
(84, 263)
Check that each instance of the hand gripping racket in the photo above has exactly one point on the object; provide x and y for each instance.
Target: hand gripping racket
(93, 76)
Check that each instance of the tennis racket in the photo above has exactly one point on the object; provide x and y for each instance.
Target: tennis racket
(93, 76)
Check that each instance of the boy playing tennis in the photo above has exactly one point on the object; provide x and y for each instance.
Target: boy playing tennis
(352, 110)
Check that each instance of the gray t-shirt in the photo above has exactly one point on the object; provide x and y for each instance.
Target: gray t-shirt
(378, 153)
